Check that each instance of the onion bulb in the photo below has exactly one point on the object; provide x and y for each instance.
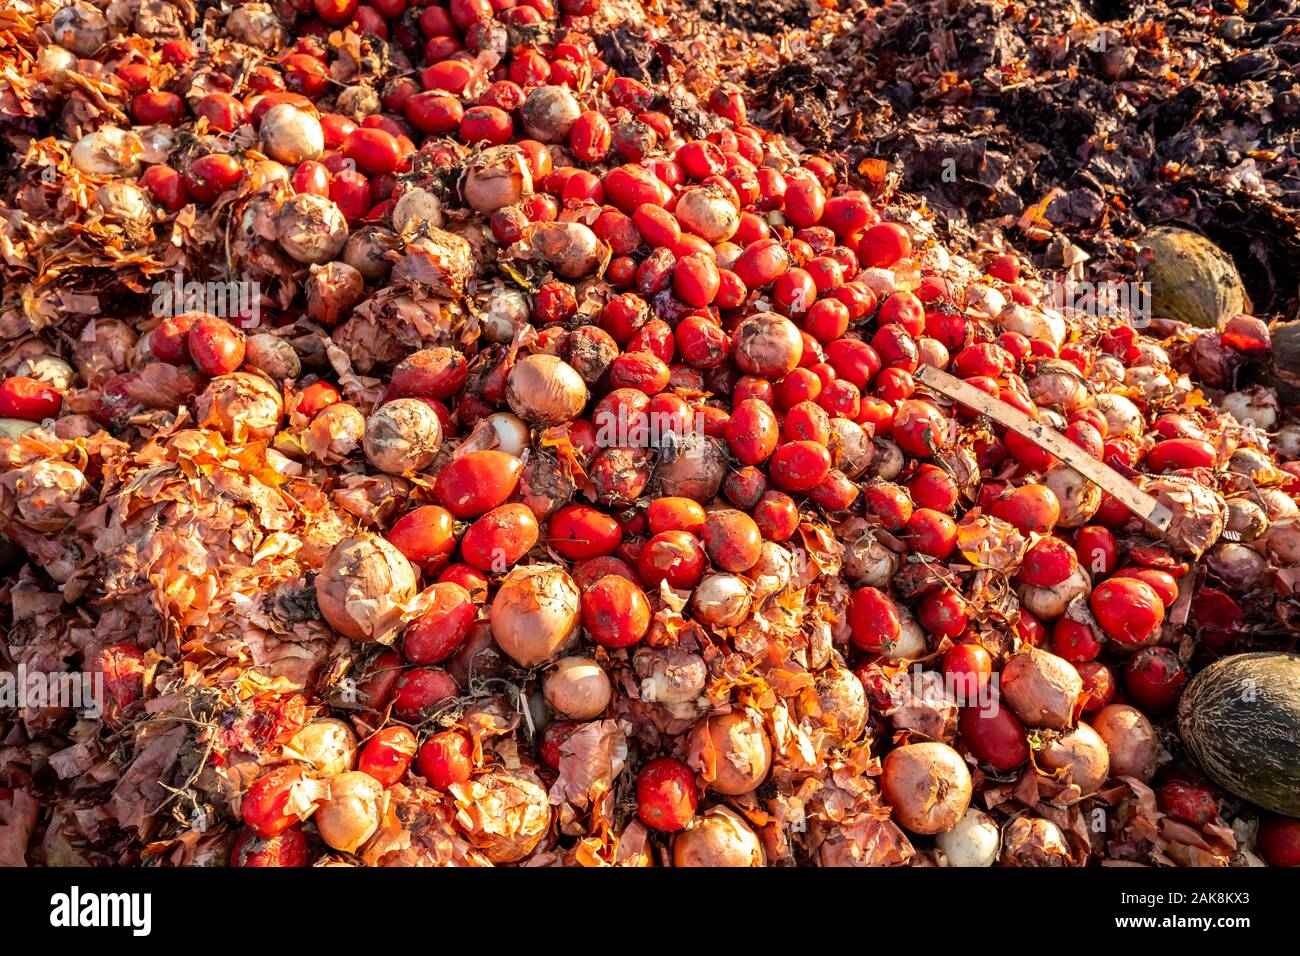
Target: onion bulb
(349, 816)
(329, 745)
(1130, 741)
(1082, 754)
(1033, 841)
(972, 841)
(721, 600)
(535, 613)
(731, 751)
(495, 178)
(291, 135)
(718, 837)
(1041, 688)
(577, 688)
(403, 436)
(927, 787)
(545, 390)
(361, 581)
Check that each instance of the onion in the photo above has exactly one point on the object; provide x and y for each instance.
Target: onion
(718, 837)
(505, 813)
(1277, 503)
(257, 25)
(731, 751)
(291, 135)
(1122, 416)
(359, 585)
(46, 493)
(1282, 543)
(271, 355)
(1255, 406)
(415, 208)
(1079, 498)
(349, 816)
(125, 201)
(310, 228)
(972, 841)
(927, 787)
(882, 282)
(335, 433)
(696, 473)
(242, 406)
(535, 613)
(549, 113)
(1246, 518)
(1048, 604)
(403, 436)
(495, 178)
(841, 703)
(984, 301)
(767, 344)
(54, 62)
(511, 433)
(868, 562)
(545, 390)
(1057, 383)
(911, 644)
(577, 688)
(1287, 442)
(1130, 739)
(1041, 688)
(50, 369)
(1033, 841)
(932, 352)
(333, 291)
(709, 212)
(366, 250)
(1033, 324)
(1236, 565)
(79, 27)
(329, 745)
(506, 313)
(721, 600)
(108, 151)
(570, 248)
(358, 102)
(850, 447)
(1082, 754)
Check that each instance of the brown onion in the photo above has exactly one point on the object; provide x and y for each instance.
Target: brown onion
(545, 390)
(1283, 541)
(505, 813)
(257, 25)
(1041, 688)
(291, 135)
(721, 600)
(535, 613)
(1131, 741)
(349, 816)
(549, 113)
(311, 229)
(367, 251)
(927, 786)
(335, 433)
(768, 344)
(577, 688)
(416, 208)
(242, 406)
(359, 585)
(333, 291)
(1079, 498)
(1081, 753)
(709, 212)
(495, 178)
(403, 436)
(696, 472)
(328, 745)
(1050, 603)
(570, 248)
(273, 356)
(1033, 841)
(731, 751)
(718, 837)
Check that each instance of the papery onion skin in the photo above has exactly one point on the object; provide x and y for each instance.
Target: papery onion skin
(545, 390)
(1041, 688)
(535, 613)
(359, 572)
(927, 786)
(732, 752)
(718, 837)
(349, 816)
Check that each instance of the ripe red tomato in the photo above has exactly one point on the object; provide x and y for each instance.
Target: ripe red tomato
(476, 482)
(666, 794)
(29, 399)
(436, 633)
(388, 754)
(615, 612)
(1128, 610)
(445, 758)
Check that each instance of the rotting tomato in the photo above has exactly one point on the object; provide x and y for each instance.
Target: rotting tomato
(666, 794)
(615, 612)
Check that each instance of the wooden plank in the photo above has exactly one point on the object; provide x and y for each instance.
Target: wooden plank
(1100, 474)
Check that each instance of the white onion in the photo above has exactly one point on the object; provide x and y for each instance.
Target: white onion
(511, 431)
(109, 151)
(708, 212)
(1122, 416)
(973, 840)
(721, 600)
(417, 207)
(1048, 604)
(495, 178)
(290, 134)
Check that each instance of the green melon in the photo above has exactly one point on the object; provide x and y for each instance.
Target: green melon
(1192, 279)
(1240, 718)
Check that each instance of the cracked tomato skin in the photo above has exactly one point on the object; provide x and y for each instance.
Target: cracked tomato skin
(666, 794)
(286, 849)
(388, 755)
